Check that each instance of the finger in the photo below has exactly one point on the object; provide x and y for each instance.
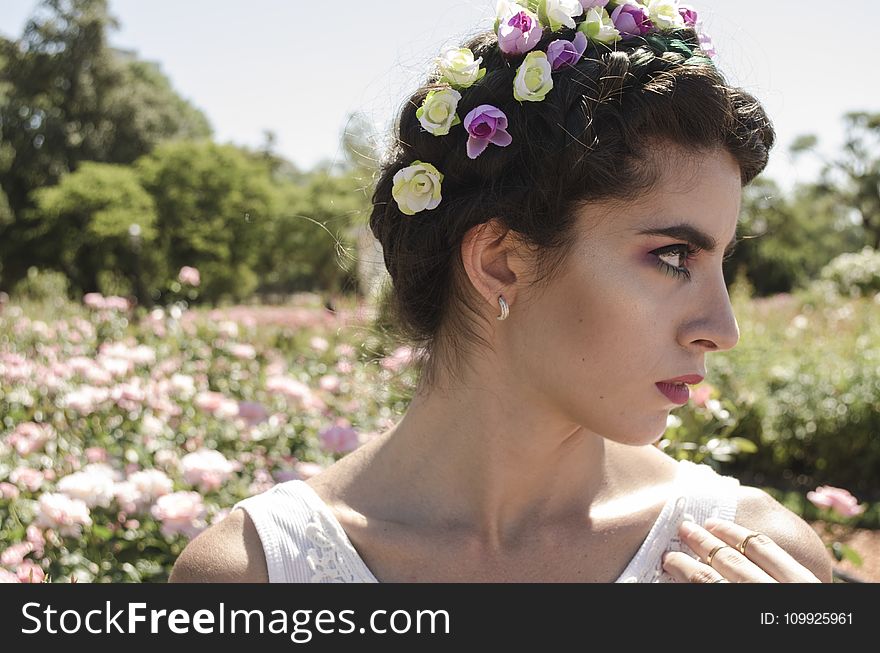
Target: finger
(685, 569)
(732, 564)
(763, 551)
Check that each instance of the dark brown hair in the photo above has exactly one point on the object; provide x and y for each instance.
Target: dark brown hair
(593, 138)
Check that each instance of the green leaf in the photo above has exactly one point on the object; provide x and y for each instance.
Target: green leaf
(744, 445)
(102, 532)
(850, 554)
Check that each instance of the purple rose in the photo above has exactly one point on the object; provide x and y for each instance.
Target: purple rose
(706, 44)
(632, 20)
(485, 124)
(566, 53)
(519, 33)
(689, 14)
(589, 4)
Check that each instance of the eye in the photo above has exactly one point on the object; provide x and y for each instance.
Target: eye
(683, 252)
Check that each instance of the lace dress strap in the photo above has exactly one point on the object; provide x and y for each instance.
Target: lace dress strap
(700, 493)
(302, 540)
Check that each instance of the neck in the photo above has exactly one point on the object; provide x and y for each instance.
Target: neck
(493, 471)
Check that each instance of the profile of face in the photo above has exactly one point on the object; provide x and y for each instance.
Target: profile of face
(629, 309)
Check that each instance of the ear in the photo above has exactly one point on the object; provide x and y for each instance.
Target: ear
(489, 256)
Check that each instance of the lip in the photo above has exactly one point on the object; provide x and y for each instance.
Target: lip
(677, 393)
(690, 379)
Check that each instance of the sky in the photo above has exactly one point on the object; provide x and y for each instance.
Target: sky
(299, 71)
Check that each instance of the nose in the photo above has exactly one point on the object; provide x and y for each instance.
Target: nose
(716, 328)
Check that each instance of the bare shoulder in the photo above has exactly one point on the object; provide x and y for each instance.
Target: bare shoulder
(230, 551)
(758, 511)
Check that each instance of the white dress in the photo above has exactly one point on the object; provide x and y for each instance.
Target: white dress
(304, 542)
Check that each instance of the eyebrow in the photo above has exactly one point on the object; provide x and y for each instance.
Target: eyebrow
(692, 235)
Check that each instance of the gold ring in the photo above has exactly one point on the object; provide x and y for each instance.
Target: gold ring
(714, 551)
(742, 545)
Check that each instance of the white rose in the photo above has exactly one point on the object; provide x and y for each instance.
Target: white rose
(437, 113)
(664, 14)
(417, 188)
(459, 67)
(533, 78)
(562, 12)
(598, 26)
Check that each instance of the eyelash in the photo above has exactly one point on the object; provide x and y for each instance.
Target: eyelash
(689, 252)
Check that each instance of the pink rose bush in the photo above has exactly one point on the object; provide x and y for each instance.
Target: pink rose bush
(836, 499)
(130, 429)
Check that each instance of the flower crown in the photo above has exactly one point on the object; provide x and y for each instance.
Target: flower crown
(520, 25)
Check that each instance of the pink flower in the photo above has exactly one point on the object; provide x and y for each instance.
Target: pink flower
(289, 387)
(706, 44)
(189, 276)
(96, 454)
(207, 468)
(689, 14)
(399, 358)
(151, 484)
(339, 438)
(30, 572)
(31, 479)
(566, 53)
(486, 124)
(837, 499)
(97, 301)
(217, 404)
(180, 513)
(61, 513)
(305, 470)
(519, 33)
(319, 344)
(14, 555)
(29, 437)
(701, 394)
(631, 19)
(35, 537)
(329, 382)
(8, 491)
(243, 351)
(8, 577)
(252, 412)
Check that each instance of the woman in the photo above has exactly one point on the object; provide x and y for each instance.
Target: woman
(554, 217)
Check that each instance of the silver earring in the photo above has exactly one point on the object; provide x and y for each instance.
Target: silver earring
(505, 309)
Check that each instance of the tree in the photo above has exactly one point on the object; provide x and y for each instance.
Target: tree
(853, 178)
(214, 207)
(787, 241)
(67, 97)
(99, 219)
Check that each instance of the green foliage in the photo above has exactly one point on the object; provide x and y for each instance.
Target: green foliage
(311, 243)
(786, 242)
(66, 97)
(40, 286)
(214, 208)
(96, 220)
(803, 384)
(854, 274)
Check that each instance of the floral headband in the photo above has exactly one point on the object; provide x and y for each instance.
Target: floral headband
(519, 26)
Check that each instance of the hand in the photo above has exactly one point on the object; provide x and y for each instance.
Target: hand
(764, 560)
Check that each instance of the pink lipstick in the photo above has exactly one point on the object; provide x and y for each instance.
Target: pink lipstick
(677, 393)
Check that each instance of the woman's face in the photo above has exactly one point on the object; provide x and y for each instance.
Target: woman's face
(631, 309)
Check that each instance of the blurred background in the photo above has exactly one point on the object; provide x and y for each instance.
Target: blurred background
(191, 300)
